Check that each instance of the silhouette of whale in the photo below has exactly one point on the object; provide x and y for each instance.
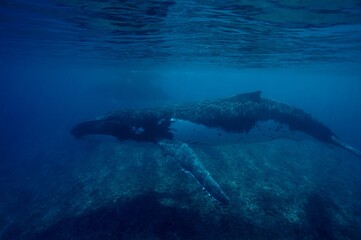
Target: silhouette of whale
(244, 117)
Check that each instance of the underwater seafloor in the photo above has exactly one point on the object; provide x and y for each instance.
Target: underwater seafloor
(282, 189)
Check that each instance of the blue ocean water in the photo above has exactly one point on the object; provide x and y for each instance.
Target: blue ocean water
(62, 62)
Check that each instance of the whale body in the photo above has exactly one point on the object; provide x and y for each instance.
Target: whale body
(246, 117)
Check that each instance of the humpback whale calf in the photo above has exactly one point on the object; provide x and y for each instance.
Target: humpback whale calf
(244, 117)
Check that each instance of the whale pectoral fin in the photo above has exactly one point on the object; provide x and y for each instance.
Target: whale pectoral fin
(346, 146)
(190, 162)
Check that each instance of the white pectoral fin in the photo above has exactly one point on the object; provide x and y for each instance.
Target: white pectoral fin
(190, 162)
(346, 146)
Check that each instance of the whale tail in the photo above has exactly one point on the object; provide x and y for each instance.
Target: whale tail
(346, 146)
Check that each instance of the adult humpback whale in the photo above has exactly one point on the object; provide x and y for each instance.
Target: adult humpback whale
(243, 117)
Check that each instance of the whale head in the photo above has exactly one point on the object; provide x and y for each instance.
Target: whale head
(126, 126)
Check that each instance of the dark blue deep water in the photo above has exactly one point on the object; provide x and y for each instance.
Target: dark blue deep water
(62, 62)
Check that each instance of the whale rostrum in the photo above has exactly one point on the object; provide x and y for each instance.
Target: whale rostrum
(241, 118)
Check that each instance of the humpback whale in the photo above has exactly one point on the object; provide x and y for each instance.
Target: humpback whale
(244, 117)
